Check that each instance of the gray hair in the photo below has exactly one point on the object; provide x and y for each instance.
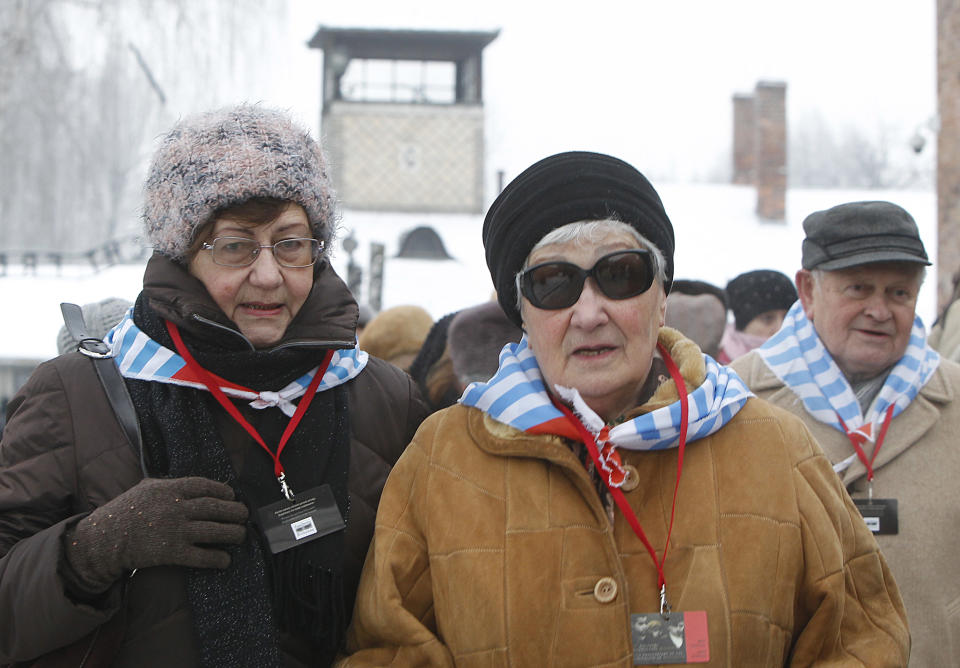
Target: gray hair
(592, 231)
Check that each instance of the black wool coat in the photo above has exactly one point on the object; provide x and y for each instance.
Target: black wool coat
(63, 454)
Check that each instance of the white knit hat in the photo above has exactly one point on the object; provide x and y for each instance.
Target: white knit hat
(221, 158)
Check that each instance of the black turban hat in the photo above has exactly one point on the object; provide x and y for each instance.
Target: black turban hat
(568, 188)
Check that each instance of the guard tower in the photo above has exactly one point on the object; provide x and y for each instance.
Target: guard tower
(403, 118)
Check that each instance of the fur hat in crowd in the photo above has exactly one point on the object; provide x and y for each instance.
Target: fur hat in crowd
(568, 188)
(475, 338)
(699, 310)
(396, 334)
(99, 317)
(221, 158)
(756, 292)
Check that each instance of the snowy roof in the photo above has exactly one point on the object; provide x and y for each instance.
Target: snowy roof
(718, 236)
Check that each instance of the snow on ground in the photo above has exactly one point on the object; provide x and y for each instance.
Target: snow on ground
(718, 236)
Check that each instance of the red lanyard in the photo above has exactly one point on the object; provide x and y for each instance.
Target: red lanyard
(621, 500)
(211, 383)
(856, 439)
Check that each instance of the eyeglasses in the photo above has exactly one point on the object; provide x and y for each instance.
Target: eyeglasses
(619, 275)
(242, 252)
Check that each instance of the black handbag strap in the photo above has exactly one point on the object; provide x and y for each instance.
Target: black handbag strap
(113, 385)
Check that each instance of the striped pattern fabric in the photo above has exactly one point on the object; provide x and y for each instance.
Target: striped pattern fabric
(140, 357)
(799, 359)
(517, 396)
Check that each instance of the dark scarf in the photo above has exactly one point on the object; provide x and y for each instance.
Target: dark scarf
(239, 611)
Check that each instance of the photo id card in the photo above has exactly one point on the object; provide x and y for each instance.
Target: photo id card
(879, 514)
(312, 514)
(677, 637)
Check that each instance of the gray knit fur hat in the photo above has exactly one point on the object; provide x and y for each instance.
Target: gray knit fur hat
(224, 157)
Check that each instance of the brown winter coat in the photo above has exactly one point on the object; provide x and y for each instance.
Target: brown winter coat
(490, 542)
(919, 465)
(63, 454)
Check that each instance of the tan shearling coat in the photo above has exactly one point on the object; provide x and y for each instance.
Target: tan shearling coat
(919, 465)
(492, 548)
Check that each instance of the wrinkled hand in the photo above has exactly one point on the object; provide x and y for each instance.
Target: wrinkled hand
(157, 522)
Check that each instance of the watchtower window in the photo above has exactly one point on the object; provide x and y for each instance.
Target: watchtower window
(406, 81)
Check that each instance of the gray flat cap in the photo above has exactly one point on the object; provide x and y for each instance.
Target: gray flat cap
(856, 233)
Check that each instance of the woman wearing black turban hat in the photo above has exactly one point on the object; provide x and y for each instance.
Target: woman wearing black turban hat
(611, 481)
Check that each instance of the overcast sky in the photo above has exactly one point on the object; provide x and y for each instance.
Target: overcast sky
(651, 80)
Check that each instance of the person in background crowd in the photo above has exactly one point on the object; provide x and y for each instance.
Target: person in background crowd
(852, 361)
(99, 317)
(396, 334)
(366, 314)
(235, 534)
(699, 311)
(461, 348)
(533, 523)
(432, 368)
(759, 300)
(945, 332)
(476, 337)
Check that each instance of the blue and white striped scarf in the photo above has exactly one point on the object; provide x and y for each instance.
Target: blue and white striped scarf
(799, 359)
(139, 356)
(517, 396)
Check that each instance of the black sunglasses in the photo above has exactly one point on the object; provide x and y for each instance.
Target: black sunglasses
(619, 275)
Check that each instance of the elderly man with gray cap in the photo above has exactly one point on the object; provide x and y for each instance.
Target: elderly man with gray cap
(852, 361)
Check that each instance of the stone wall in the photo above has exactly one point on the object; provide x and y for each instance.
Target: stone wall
(406, 157)
(948, 146)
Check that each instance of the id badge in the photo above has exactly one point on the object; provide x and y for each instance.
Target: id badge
(675, 637)
(312, 514)
(880, 515)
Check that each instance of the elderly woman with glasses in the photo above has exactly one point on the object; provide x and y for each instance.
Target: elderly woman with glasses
(612, 496)
(234, 532)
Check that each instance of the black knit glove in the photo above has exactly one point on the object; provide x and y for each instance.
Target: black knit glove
(158, 522)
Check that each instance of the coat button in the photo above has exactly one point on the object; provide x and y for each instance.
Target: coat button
(605, 590)
(632, 479)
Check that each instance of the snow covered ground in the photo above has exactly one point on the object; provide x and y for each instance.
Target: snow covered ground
(718, 237)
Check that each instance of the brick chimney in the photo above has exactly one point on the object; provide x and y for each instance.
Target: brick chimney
(770, 148)
(743, 137)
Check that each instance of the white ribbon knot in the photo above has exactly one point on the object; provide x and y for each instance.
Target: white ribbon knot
(281, 400)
